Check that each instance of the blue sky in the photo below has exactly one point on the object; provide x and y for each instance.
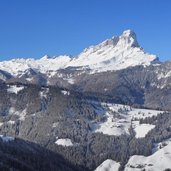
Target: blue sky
(33, 28)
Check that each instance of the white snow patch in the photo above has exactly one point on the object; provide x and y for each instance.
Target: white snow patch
(55, 124)
(70, 80)
(7, 138)
(21, 114)
(164, 75)
(29, 79)
(108, 165)
(64, 92)
(64, 142)
(15, 89)
(158, 161)
(142, 129)
(112, 126)
(44, 92)
(11, 122)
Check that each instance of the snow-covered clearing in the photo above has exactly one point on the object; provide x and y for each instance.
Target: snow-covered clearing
(142, 129)
(64, 142)
(119, 118)
(108, 165)
(15, 89)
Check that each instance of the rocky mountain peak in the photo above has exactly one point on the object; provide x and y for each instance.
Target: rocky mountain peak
(129, 38)
(129, 33)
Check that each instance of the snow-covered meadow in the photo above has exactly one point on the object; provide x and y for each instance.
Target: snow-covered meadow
(120, 118)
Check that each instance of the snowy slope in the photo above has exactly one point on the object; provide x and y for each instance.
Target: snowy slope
(160, 145)
(113, 54)
(108, 165)
(119, 118)
(159, 161)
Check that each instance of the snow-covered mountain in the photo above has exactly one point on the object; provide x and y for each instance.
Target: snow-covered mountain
(107, 105)
(116, 53)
